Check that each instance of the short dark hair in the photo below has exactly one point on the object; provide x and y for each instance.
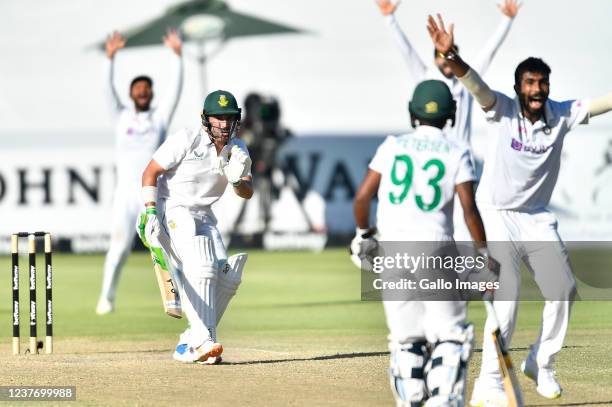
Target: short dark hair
(439, 123)
(531, 64)
(139, 78)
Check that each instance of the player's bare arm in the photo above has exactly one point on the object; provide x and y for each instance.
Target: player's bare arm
(443, 41)
(361, 206)
(387, 7)
(114, 43)
(474, 223)
(465, 191)
(149, 180)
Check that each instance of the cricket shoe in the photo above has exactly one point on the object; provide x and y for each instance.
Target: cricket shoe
(213, 360)
(546, 382)
(183, 353)
(208, 350)
(104, 307)
(488, 394)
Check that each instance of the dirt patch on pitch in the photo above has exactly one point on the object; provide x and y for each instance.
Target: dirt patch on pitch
(143, 373)
(135, 372)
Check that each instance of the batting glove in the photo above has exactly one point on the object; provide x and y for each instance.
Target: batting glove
(148, 227)
(222, 160)
(363, 248)
(239, 165)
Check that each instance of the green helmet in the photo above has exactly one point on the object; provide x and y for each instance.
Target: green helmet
(221, 102)
(432, 100)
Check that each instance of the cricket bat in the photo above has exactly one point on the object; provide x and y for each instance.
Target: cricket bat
(169, 293)
(509, 379)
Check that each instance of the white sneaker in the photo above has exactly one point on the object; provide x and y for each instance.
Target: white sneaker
(183, 353)
(488, 394)
(547, 385)
(208, 350)
(104, 307)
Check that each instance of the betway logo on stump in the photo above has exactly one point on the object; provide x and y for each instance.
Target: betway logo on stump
(16, 313)
(49, 313)
(33, 313)
(49, 276)
(15, 278)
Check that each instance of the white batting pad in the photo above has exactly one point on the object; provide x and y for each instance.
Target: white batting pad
(199, 288)
(229, 279)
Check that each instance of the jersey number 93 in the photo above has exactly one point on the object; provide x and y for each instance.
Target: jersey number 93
(405, 181)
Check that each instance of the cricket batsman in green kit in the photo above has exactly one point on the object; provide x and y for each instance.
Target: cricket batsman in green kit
(188, 173)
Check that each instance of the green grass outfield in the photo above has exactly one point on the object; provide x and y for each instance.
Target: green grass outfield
(296, 325)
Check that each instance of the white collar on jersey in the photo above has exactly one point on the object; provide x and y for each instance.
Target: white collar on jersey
(429, 131)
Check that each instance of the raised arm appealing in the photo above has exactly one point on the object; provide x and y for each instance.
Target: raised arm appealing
(443, 40)
(600, 105)
(415, 64)
(509, 10)
(114, 43)
(173, 41)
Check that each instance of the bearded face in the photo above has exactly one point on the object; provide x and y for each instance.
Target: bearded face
(142, 94)
(533, 92)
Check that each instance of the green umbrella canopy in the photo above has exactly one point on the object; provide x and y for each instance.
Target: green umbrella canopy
(200, 20)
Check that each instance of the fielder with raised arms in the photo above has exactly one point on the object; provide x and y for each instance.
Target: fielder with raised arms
(140, 130)
(462, 129)
(187, 174)
(514, 192)
(440, 70)
(416, 176)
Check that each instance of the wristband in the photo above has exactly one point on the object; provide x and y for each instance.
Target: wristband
(149, 193)
(450, 55)
(151, 210)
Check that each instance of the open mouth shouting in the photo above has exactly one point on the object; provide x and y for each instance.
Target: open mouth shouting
(536, 102)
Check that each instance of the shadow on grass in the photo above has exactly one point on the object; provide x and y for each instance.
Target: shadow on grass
(324, 357)
(309, 304)
(479, 350)
(346, 356)
(314, 358)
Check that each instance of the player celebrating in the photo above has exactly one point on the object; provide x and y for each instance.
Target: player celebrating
(462, 129)
(194, 168)
(140, 129)
(416, 176)
(419, 71)
(514, 193)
